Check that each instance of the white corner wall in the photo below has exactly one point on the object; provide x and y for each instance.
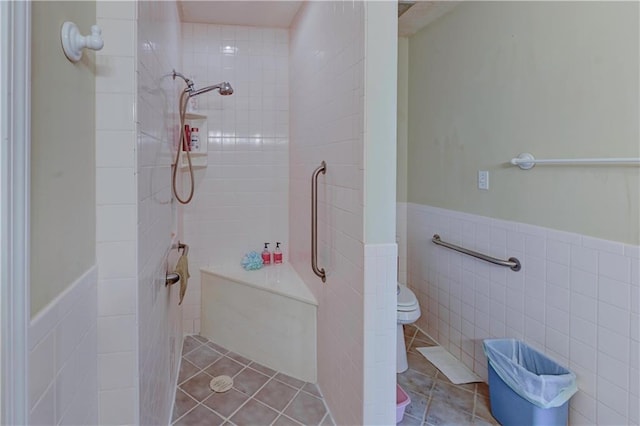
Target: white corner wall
(159, 318)
(116, 225)
(327, 116)
(339, 114)
(380, 250)
(139, 325)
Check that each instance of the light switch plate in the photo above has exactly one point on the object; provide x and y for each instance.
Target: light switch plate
(483, 179)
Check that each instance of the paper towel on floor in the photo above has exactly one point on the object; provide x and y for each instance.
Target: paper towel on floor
(455, 370)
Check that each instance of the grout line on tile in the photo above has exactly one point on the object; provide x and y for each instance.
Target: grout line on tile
(272, 377)
(253, 362)
(475, 403)
(211, 409)
(188, 378)
(290, 401)
(252, 369)
(186, 393)
(250, 397)
(411, 341)
(426, 410)
(188, 411)
(309, 393)
(294, 420)
(239, 371)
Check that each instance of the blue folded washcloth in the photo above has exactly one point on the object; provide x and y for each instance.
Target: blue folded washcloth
(251, 261)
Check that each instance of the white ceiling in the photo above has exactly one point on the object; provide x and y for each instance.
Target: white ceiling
(280, 14)
(263, 13)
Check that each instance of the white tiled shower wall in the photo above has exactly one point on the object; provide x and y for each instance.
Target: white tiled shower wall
(241, 198)
(139, 330)
(327, 115)
(576, 298)
(116, 210)
(159, 317)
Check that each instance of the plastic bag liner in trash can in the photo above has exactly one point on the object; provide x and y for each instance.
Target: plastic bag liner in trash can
(529, 373)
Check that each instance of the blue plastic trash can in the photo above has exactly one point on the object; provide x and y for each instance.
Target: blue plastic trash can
(525, 386)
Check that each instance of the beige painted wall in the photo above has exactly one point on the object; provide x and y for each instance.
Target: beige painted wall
(63, 211)
(491, 80)
(381, 45)
(403, 118)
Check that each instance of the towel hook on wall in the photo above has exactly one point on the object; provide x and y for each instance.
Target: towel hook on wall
(73, 42)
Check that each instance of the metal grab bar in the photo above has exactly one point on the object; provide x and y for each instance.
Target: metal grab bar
(512, 263)
(314, 221)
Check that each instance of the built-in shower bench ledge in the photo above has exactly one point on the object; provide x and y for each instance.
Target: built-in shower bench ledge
(268, 315)
(279, 279)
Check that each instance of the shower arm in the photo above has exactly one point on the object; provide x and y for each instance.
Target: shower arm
(223, 88)
(188, 81)
(193, 93)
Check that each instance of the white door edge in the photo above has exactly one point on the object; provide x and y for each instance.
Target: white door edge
(15, 96)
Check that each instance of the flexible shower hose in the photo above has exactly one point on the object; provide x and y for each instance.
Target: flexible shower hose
(184, 99)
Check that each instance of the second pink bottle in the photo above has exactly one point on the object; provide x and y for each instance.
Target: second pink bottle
(266, 255)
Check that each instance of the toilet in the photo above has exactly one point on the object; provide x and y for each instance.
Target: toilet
(408, 313)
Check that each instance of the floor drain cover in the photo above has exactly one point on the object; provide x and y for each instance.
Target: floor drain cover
(221, 383)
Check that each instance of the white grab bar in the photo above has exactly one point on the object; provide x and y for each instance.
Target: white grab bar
(526, 161)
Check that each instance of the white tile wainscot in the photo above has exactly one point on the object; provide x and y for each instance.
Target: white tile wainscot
(575, 299)
(380, 327)
(63, 357)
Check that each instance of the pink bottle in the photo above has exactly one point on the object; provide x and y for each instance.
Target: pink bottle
(266, 255)
(186, 143)
(277, 254)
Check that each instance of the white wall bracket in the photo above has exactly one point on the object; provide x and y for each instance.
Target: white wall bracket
(73, 42)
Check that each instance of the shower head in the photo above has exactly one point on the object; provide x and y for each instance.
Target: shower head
(226, 89)
(223, 88)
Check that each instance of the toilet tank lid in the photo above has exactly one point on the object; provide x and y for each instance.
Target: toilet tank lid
(406, 297)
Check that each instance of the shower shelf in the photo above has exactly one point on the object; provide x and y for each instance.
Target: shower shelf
(198, 158)
(194, 116)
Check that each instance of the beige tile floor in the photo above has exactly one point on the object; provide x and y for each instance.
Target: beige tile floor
(435, 401)
(262, 396)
